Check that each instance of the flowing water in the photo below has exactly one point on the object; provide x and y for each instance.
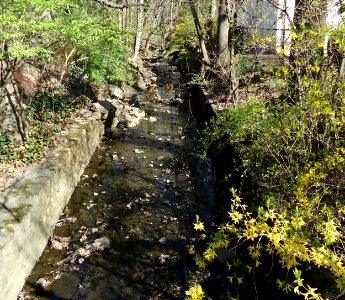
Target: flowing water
(137, 195)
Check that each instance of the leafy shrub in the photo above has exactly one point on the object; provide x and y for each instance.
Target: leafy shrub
(45, 115)
(248, 64)
(183, 44)
(296, 153)
(7, 152)
(74, 32)
(51, 108)
(99, 42)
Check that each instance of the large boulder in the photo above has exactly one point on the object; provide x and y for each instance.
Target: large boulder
(27, 79)
(111, 110)
(25, 84)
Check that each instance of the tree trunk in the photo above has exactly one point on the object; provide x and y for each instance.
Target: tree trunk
(213, 9)
(222, 45)
(233, 80)
(171, 16)
(295, 71)
(139, 30)
(19, 111)
(125, 23)
(200, 32)
(342, 68)
(226, 43)
(129, 16)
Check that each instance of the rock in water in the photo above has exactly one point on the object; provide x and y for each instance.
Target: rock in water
(101, 243)
(162, 241)
(41, 282)
(152, 119)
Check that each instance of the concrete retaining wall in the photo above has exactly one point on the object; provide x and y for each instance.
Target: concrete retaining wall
(32, 206)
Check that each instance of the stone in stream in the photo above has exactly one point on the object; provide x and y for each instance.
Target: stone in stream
(42, 282)
(138, 151)
(131, 117)
(101, 243)
(163, 258)
(135, 111)
(162, 241)
(81, 260)
(82, 252)
(152, 119)
(58, 242)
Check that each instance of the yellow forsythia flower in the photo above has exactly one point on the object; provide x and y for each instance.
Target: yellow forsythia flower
(199, 226)
(195, 293)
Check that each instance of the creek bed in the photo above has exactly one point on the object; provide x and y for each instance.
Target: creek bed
(136, 194)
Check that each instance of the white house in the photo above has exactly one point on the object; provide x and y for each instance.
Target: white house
(274, 17)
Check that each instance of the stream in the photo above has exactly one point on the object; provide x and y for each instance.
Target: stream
(127, 231)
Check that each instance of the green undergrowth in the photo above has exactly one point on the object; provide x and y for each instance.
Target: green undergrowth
(46, 115)
(295, 153)
(182, 46)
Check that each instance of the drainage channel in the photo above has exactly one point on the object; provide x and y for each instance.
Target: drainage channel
(127, 231)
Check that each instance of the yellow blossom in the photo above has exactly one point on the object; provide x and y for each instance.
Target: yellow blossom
(199, 226)
(195, 293)
(294, 35)
(236, 217)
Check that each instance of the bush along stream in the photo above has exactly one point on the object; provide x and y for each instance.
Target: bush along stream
(127, 232)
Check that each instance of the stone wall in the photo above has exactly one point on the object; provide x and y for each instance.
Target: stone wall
(31, 207)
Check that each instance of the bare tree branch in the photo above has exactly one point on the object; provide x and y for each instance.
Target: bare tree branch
(114, 5)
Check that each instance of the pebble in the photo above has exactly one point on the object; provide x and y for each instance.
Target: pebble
(162, 241)
(82, 252)
(101, 243)
(21, 296)
(152, 119)
(163, 257)
(41, 282)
